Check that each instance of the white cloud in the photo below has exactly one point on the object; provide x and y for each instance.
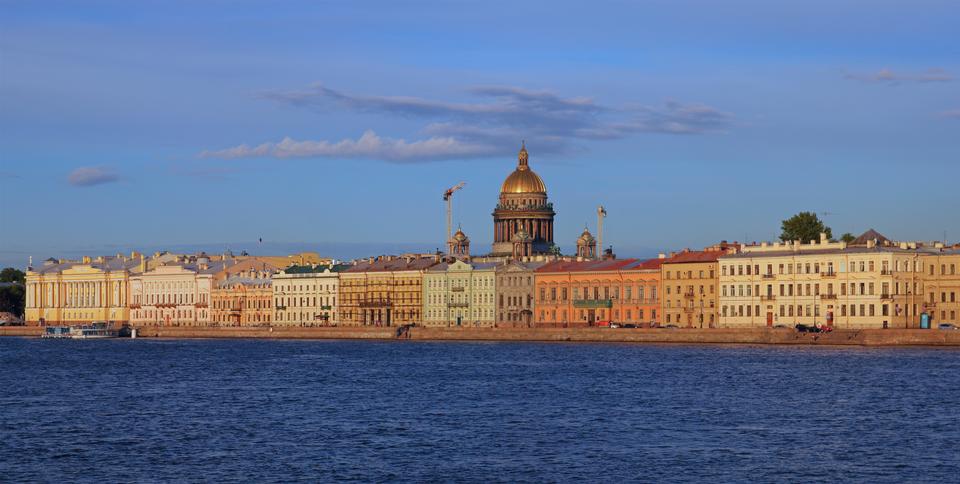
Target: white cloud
(367, 146)
(88, 176)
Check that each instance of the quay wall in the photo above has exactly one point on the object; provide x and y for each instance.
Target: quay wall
(754, 336)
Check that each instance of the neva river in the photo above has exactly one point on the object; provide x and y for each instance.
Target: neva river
(251, 411)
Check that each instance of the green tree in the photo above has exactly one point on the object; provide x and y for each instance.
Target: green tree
(12, 296)
(804, 226)
(848, 237)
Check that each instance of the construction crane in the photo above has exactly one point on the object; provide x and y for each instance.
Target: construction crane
(448, 197)
(601, 214)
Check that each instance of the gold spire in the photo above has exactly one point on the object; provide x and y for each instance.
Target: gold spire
(522, 156)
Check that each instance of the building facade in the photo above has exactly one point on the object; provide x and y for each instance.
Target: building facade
(243, 294)
(176, 293)
(515, 292)
(306, 295)
(597, 292)
(384, 291)
(460, 293)
(690, 287)
(523, 206)
(942, 285)
(823, 283)
(62, 292)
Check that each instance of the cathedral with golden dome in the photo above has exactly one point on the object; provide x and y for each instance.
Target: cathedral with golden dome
(523, 219)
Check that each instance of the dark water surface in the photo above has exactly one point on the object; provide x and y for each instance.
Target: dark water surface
(248, 410)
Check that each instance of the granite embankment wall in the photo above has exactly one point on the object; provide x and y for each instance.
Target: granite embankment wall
(874, 337)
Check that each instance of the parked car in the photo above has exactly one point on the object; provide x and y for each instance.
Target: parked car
(672, 326)
(614, 325)
(629, 326)
(803, 328)
(947, 326)
(779, 326)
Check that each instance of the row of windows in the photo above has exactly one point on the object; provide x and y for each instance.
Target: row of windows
(161, 315)
(583, 315)
(687, 274)
(452, 315)
(296, 302)
(801, 310)
(436, 283)
(596, 292)
(303, 287)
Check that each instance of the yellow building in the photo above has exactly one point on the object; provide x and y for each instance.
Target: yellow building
(690, 287)
(460, 293)
(62, 292)
(384, 291)
(877, 284)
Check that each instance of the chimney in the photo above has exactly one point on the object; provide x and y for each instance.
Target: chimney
(86, 259)
(823, 238)
(662, 256)
(871, 243)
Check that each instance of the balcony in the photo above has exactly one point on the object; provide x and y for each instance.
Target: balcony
(828, 274)
(458, 304)
(885, 296)
(769, 276)
(930, 304)
(828, 296)
(768, 297)
(593, 303)
(378, 303)
(886, 272)
(688, 295)
(457, 288)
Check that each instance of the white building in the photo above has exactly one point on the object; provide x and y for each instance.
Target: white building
(460, 294)
(307, 295)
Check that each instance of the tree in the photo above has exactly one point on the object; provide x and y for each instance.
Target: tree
(847, 237)
(13, 296)
(13, 275)
(804, 226)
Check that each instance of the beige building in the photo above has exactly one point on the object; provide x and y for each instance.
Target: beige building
(515, 292)
(384, 291)
(942, 285)
(459, 293)
(306, 295)
(872, 284)
(176, 293)
(63, 292)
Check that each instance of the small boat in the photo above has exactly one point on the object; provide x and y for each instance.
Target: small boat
(87, 331)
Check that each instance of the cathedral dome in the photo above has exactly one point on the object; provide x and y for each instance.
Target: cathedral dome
(523, 179)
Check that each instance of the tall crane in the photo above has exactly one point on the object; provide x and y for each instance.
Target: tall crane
(448, 197)
(601, 214)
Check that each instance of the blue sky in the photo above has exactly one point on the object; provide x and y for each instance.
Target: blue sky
(156, 125)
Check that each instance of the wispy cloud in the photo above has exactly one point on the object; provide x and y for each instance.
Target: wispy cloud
(887, 76)
(88, 176)
(489, 127)
(951, 114)
(368, 146)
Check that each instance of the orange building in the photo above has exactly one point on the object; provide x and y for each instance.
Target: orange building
(597, 292)
(244, 297)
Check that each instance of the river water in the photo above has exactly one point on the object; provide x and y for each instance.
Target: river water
(282, 411)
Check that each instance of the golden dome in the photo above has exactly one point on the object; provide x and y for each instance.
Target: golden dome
(523, 179)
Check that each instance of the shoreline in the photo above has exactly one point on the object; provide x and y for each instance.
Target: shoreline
(747, 336)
